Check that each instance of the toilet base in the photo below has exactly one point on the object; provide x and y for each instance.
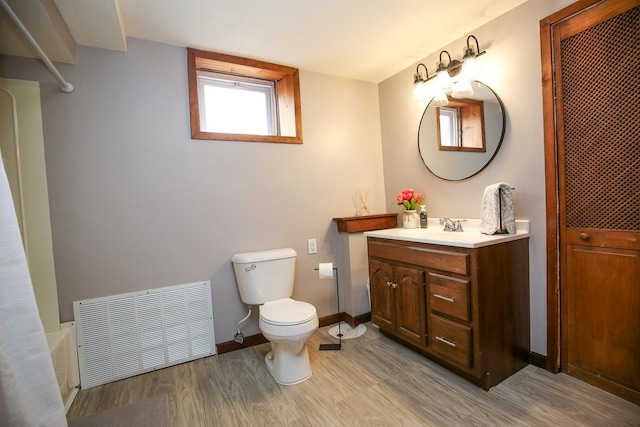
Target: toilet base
(288, 366)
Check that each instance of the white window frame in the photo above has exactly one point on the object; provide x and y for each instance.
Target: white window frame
(268, 88)
(452, 130)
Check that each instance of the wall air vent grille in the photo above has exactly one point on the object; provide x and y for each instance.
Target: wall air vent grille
(129, 334)
(602, 132)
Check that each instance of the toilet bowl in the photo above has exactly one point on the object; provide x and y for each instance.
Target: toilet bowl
(266, 279)
(288, 324)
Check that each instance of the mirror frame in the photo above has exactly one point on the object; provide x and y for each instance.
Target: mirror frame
(472, 172)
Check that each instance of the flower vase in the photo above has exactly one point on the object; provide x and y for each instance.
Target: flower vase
(410, 219)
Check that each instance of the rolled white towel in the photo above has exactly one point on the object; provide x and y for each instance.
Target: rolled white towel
(494, 196)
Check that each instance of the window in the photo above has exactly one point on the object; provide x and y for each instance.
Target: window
(460, 126)
(231, 104)
(449, 121)
(237, 99)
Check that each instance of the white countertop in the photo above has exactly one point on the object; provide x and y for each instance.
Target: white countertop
(435, 235)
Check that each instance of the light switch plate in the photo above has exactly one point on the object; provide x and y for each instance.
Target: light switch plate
(312, 246)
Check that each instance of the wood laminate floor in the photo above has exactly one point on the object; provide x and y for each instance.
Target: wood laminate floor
(372, 381)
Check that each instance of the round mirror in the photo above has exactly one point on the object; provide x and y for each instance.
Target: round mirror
(458, 140)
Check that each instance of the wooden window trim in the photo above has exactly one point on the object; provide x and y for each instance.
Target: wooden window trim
(471, 113)
(288, 97)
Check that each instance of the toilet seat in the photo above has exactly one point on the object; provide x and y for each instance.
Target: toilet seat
(287, 312)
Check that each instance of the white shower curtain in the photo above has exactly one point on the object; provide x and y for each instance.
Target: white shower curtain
(29, 394)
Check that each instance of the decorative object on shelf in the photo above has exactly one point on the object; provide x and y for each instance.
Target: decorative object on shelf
(410, 200)
(410, 219)
(455, 77)
(363, 209)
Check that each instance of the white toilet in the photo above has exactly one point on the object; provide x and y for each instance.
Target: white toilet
(266, 279)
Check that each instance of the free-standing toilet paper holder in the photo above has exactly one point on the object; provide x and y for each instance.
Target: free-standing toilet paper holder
(338, 346)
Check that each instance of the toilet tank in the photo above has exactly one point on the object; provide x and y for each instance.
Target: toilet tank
(265, 276)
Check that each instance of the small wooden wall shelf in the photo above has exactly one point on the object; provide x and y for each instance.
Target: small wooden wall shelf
(356, 224)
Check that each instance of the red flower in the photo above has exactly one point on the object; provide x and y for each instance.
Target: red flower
(409, 198)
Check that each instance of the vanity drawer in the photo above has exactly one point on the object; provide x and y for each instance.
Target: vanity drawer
(451, 340)
(449, 296)
(422, 255)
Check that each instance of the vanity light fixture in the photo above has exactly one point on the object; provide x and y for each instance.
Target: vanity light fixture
(443, 82)
(460, 87)
(419, 86)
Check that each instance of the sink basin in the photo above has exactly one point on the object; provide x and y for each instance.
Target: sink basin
(469, 238)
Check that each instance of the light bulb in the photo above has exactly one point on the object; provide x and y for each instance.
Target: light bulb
(443, 79)
(440, 99)
(419, 91)
(462, 89)
(470, 68)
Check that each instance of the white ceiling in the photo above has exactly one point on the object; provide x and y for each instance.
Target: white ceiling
(367, 40)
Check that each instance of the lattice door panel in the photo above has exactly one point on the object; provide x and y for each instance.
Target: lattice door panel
(601, 118)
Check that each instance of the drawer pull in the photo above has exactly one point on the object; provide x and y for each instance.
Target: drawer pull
(446, 341)
(444, 298)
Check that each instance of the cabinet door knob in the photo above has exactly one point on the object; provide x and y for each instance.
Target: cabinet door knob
(389, 283)
(584, 236)
(394, 285)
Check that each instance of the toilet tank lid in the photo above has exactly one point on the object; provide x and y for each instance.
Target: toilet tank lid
(260, 256)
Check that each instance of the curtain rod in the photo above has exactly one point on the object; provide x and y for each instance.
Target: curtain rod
(65, 86)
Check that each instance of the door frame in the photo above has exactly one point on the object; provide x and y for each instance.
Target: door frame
(552, 160)
(554, 341)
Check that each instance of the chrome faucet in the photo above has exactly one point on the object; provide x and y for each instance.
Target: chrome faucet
(450, 225)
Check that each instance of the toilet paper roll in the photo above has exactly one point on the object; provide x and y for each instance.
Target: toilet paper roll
(325, 270)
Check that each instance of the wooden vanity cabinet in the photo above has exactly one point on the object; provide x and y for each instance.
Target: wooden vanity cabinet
(466, 308)
(400, 303)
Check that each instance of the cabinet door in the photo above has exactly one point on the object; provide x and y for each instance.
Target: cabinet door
(410, 304)
(382, 295)
(603, 331)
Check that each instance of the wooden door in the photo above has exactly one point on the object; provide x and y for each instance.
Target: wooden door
(591, 87)
(382, 295)
(411, 300)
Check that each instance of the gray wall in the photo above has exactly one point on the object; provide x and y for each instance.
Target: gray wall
(137, 204)
(512, 69)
